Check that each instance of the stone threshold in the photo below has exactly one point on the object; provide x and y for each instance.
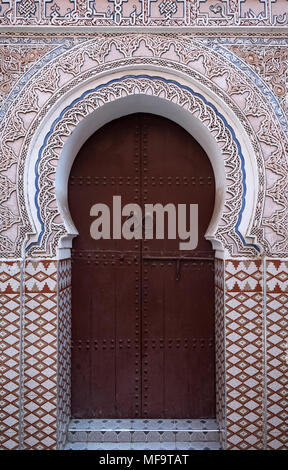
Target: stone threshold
(142, 430)
(143, 446)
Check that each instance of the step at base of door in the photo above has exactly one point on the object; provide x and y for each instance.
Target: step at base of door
(142, 431)
(143, 446)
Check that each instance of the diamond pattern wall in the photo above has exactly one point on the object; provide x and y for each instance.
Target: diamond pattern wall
(40, 355)
(220, 348)
(277, 354)
(244, 354)
(9, 353)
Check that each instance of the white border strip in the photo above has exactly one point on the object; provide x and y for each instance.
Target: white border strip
(204, 30)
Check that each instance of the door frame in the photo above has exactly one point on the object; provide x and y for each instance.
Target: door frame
(143, 93)
(129, 125)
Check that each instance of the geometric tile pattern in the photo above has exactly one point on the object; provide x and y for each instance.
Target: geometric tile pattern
(41, 276)
(9, 353)
(40, 355)
(239, 330)
(277, 354)
(64, 350)
(244, 354)
(169, 434)
(220, 349)
(138, 424)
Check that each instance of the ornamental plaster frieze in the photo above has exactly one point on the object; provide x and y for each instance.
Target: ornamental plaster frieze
(130, 85)
(247, 13)
(186, 56)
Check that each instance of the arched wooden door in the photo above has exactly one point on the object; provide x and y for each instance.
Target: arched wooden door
(142, 310)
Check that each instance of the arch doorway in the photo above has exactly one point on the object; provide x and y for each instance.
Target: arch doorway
(142, 309)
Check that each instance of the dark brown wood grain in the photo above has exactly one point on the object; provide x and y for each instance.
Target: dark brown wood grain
(142, 316)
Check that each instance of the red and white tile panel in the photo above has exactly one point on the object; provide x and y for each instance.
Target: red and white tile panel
(277, 354)
(64, 349)
(239, 332)
(9, 353)
(244, 354)
(220, 348)
(40, 355)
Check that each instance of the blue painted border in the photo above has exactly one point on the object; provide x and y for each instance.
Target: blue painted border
(118, 80)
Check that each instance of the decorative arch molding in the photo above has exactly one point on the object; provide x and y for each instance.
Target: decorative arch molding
(235, 200)
(237, 97)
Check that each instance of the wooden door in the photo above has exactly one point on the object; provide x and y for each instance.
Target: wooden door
(142, 310)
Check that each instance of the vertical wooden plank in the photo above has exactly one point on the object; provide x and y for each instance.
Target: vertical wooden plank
(106, 368)
(178, 297)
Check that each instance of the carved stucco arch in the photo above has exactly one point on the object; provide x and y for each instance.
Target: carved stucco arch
(55, 81)
(86, 107)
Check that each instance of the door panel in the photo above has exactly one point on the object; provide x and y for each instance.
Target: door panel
(175, 170)
(142, 316)
(178, 341)
(105, 279)
(106, 336)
